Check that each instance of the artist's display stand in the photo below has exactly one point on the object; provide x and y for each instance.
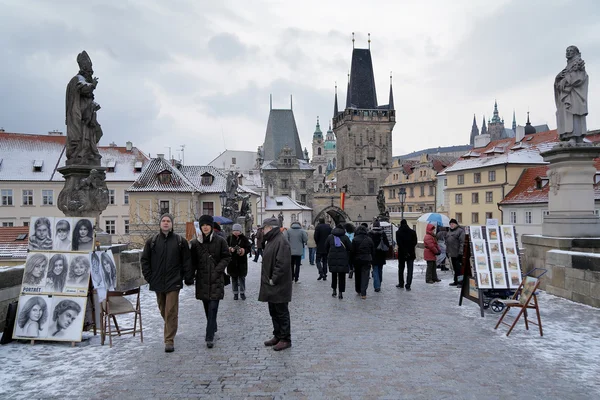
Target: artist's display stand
(469, 289)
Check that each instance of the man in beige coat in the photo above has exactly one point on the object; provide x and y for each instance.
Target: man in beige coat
(312, 245)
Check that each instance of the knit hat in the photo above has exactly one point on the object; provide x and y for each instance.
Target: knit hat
(205, 220)
(216, 226)
(170, 216)
(274, 222)
(236, 227)
(453, 221)
(376, 224)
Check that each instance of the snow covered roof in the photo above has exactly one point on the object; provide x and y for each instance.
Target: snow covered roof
(283, 203)
(13, 242)
(272, 164)
(30, 157)
(244, 160)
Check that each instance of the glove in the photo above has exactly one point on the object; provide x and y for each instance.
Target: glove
(271, 282)
(189, 283)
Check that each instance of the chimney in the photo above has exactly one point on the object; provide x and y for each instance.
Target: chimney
(160, 155)
(520, 134)
(112, 144)
(2, 130)
(482, 140)
(128, 146)
(55, 133)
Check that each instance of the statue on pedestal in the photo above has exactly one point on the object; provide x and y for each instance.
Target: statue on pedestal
(570, 95)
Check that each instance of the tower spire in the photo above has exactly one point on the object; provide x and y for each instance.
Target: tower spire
(335, 103)
(496, 116)
(474, 131)
(483, 127)
(291, 103)
(391, 102)
(514, 123)
(369, 41)
(352, 39)
(270, 102)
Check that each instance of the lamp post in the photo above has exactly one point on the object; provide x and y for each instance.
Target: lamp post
(223, 200)
(402, 195)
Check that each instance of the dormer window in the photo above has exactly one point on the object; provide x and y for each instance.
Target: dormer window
(137, 167)
(540, 182)
(165, 177)
(38, 165)
(110, 166)
(207, 179)
(233, 160)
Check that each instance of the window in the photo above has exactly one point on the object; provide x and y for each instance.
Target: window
(27, 197)
(458, 198)
(422, 190)
(163, 206)
(489, 215)
(164, 177)
(477, 177)
(371, 183)
(233, 160)
(126, 198)
(393, 193)
(528, 218)
(512, 219)
(459, 218)
(320, 169)
(7, 224)
(318, 151)
(7, 197)
(410, 208)
(431, 190)
(284, 183)
(47, 197)
(126, 225)
(445, 182)
(208, 208)
(412, 192)
(302, 184)
(460, 180)
(303, 198)
(25, 223)
(207, 179)
(492, 176)
(475, 198)
(110, 226)
(489, 197)
(111, 196)
(475, 218)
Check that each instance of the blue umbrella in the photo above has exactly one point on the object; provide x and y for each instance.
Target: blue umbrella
(222, 220)
(435, 218)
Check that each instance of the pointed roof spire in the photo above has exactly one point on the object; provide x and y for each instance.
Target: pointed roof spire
(335, 103)
(291, 103)
(496, 117)
(391, 102)
(369, 41)
(318, 134)
(483, 127)
(348, 92)
(529, 129)
(474, 131)
(352, 39)
(361, 88)
(514, 123)
(270, 102)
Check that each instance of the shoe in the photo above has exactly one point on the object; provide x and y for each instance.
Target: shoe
(210, 344)
(312, 263)
(400, 285)
(243, 296)
(282, 345)
(445, 269)
(297, 281)
(350, 274)
(363, 297)
(429, 282)
(272, 342)
(407, 288)
(438, 280)
(324, 278)
(378, 290)
(453, 284)
(334, 294)
(340, 296)
(235, 296)
(319, 278)
(169, 348)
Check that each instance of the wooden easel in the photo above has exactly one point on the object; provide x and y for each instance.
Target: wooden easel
(465, 291)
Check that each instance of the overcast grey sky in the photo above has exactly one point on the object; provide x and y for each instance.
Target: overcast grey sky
(200, 73)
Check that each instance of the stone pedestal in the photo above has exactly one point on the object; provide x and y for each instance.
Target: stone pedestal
(85, 193)
(571, 194)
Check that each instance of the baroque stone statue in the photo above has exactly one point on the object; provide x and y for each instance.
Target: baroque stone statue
(570, 95)
(381, 202)
(83, 130)
(232, 185)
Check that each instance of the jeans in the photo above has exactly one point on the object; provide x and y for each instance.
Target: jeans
(280, 315)
(258, 252)
(211, 307)
(409, 271)
(238, 284)
(168, 304)
(312, 251)
(457, 267)
(322, 264)
(377, 276)
(296, 261)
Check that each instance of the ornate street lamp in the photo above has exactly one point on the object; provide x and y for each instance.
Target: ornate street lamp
(223, 200)
(402, 195)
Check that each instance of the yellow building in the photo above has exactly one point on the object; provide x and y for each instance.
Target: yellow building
(480, 179)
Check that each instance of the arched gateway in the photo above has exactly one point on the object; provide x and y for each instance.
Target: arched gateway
(337, 215)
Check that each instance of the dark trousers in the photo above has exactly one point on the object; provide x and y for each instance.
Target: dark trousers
(280, 315)
(409, 271)
(457, 267)
(362, 270)
(322, 264)
(430, 272)
(258, 252)
(211, 307)
(338, 278)
(296, 260)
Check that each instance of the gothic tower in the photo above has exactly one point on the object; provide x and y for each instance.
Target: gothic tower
(496, 125)
(363, 131)
(319, 161)
(474, 131)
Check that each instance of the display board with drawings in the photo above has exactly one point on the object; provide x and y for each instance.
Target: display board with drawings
(104, 272)
(495, 256)
(56, 279)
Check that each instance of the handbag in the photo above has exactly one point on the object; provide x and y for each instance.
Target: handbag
(382, 246)
(226, 279)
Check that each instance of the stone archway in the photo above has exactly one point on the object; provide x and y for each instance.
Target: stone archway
(338, 215)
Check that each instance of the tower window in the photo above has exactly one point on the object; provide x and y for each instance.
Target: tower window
(319, 151)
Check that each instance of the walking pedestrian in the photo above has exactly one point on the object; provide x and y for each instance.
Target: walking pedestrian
(312, 245)
(361, 256)
(431, 251)
(239, 246)
(165, 263)
(455, 242)
(218, 230)
(210, 257)
(441, 239)
(276, 284)
(350, 233)
(338, 248)
(378, 235)
(297, 238)
(259, 243)
(322, 232)
(406, 239)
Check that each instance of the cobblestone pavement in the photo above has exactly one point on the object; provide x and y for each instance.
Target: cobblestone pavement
(395, 344)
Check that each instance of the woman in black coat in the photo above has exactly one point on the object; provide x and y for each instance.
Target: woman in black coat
(361, 256)
(239, 248)
(338, 255)
(377, 235)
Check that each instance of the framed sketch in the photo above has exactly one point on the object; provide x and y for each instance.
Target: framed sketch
(104, 272)
(82, 237)
(66, 318)
(78, 276)
(63, 233)
(510, 249)
(481, 263)
(40, 233)
(33, 317)
(492, 233)
(507, 233)
(499, 279)
(34, 276)
(494, 247)
(479, 247)
(484, 281)
(475, 232)
(514, 279)
(512, 263)
(58, 270)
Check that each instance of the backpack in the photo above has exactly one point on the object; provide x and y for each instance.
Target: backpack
(179, 241)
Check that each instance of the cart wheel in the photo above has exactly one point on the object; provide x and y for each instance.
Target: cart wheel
(497, 306)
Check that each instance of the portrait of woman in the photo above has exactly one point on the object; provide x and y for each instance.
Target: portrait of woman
(64, 315)
(83, 236)
(57, 273)
(35, 269)
(79, 271)
(62, 239)
(97, 279)
(41, 237)
(32, 317)
(109, 271)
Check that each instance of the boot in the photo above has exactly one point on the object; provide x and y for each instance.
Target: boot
(334, 293)
(272, 342)
(350, 274)
(243, 296)
(235, 296)
(282, 345)
(340, 296)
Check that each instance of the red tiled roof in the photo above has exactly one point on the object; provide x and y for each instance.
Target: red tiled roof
(34, 138)
(9, 234)
(10, 247)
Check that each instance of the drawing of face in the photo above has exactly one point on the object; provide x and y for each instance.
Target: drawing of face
(36, 313)
(62, 233)
(79, 268)
(106, 265)
(83, 231)
(41, 232)
(58, 267)
(66, 319)
(38, 270)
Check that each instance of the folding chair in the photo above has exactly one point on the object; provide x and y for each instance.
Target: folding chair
(522, 299)
(115, 304)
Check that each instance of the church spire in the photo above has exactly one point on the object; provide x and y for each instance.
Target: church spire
(474, 131)
(514, 123)
(335, 103)
(483, 128)
(496, 116)
(391, 102)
